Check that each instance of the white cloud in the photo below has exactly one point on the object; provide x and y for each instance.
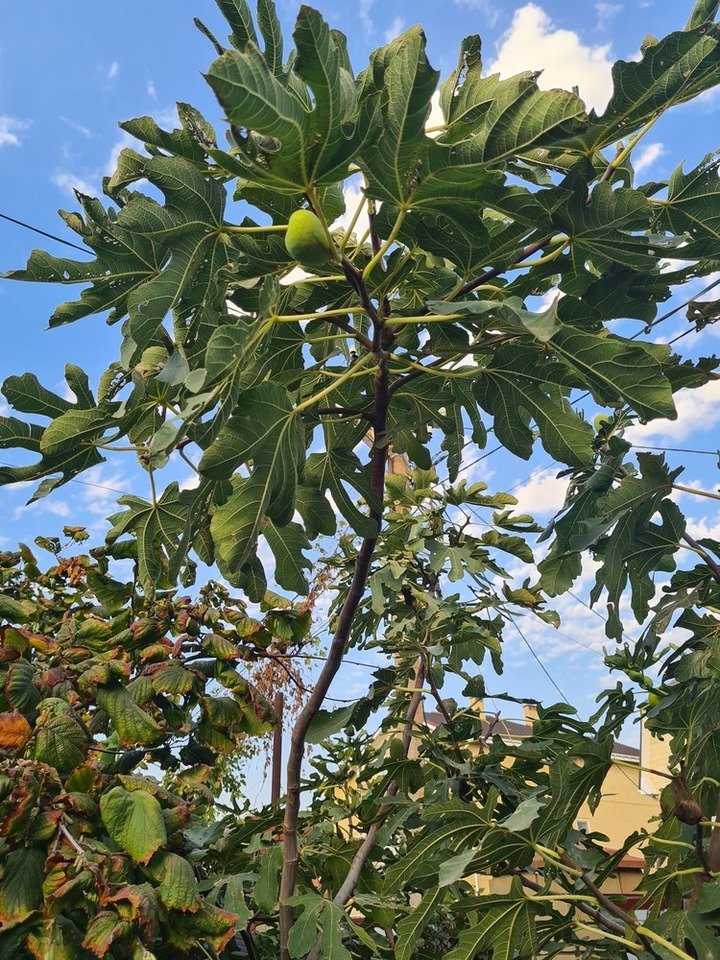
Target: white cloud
(79, 128)
(647, 155)
(394, 30)
(70, 181)
(697, 411)
(10, 127)
(114, 70)
(125, 140)
(102, 489)
(605, 13)
(533, 43)
(151, 91)
(364, 8)
(542, 494)
(89, 181)
(190, 482)
(704, 527)
(58, 508)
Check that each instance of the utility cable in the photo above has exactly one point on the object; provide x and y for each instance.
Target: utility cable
(44, 233)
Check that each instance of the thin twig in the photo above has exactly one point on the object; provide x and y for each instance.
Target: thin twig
(613, 926)
(381, 344)
(349, 328)
(609, 905)
(496, 271)
(711, 564)
(363, 852)
(355, 279)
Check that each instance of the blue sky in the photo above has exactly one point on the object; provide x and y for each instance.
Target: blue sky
(69, 72)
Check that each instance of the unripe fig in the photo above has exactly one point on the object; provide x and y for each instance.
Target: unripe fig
(305, 239)
(600, 421)
(152, 361)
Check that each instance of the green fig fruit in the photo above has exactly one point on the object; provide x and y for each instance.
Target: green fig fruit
(151, 362)
(305, 239)
(600, 421)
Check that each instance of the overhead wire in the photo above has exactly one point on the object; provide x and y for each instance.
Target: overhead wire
(44, 233)
(537, 659)
(85, 483)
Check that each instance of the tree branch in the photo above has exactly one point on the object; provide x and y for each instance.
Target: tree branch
(466, 788)
(378, 417)
(610, 905)
(349, 328)
(400, 382)
(355, 279)
(496, 271)
(365, 849)
(711, 564)
(612, 926)
(297, 741)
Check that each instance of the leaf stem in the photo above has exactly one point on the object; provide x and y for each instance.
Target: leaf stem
(434, 369)
(662, 942)
(546, 258)
(697, 493)
(353, 221)
(611, 936)
(271, 228)
(603, 921)
(711, 564)
(187, 460)
(333, 277)
(392, 237)
(351, 372)
(428, 318)
(316, 315)
(151, 475)
(555, 859)
(359, 245)
(637, 766)
(121, 449)
(626, 151)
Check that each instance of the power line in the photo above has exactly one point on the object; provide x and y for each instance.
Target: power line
(85, 483)
(644, 446)
(552, 681)
(686, 303)
(44, 233)
(538, 660)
